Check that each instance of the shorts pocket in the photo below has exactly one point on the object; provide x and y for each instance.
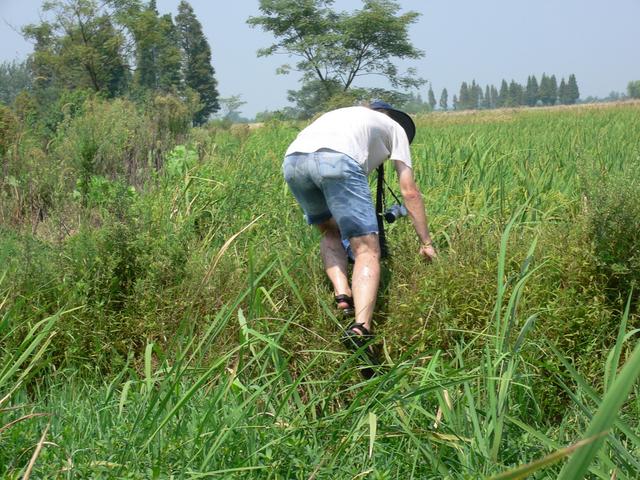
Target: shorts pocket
(333, 167)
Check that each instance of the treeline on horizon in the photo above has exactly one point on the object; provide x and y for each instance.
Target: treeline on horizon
(547, 92)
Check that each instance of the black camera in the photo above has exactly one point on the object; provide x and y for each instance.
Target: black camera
(394, 212)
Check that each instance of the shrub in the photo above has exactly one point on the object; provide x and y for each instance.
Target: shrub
(613, 213)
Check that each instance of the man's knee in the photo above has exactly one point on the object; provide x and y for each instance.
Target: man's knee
(329, 227)
(366, 244)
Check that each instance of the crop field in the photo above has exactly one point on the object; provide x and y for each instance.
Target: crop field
(178, 324)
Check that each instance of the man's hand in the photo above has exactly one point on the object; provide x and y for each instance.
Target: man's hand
(428, 252)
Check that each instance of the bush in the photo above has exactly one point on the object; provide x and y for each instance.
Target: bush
(613, 213)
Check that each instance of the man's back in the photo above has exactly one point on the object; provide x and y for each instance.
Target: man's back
(367, 136)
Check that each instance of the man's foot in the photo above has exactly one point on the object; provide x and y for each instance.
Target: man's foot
(345, 303)
(356, 336)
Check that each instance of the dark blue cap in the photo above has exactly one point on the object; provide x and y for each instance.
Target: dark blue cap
(402, 118)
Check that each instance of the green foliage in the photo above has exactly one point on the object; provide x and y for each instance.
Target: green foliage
(14, 78)
(79, 48)
(633, 89)
(334, 49)
(415, 104)
(8, 131)
(179, 161)
(198, 72)
(613, 212)
(444, 100)
(158, 54)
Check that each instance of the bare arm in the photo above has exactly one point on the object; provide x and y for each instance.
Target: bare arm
(415, 206)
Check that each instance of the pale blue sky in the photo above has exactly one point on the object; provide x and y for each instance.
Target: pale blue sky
(462, 39)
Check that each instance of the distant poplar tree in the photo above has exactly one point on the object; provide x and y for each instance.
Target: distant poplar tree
(463, 97)
(494, 97)
(198, 73)
(562, 93)
(547, 91)
(431, 98)
(531, 92)
(503, 96)
(487, 98)
(444, 99)
(455, 102)
(572, 91)
(553, 87)
(476, 95)
(516, 94)
(633, 89)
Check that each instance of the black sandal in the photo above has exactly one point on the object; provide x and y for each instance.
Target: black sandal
(350, 311)
(356, 336)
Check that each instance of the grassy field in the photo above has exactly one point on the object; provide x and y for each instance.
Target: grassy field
(184, 328)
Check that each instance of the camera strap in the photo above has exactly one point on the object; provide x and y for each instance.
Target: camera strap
(380, 203)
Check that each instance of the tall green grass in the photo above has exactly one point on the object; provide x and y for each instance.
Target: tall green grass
(217, 353)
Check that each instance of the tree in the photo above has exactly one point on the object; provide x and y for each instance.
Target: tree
(463, 97)
(503, 96)
(487, 98)
(432, 98)
(562, 93)
(230, 107)
(456, 106)
(198, 73)
(515, 95)
(157, 49)
(494, 97)
(548, 91)
(553, 87)
(475, 94)
(335, 49)
(444, 99)
(531, 91)
(633, 89)
(80, 48)
(572, 91)
(14, 78)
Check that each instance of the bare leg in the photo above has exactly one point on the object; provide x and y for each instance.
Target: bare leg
(334, 258)
(366, 276)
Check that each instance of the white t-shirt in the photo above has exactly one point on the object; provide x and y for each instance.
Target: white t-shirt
(367, 136)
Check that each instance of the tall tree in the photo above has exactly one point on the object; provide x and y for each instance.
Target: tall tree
(531, 91)
(476, 95)
(633, 89)
(547, 91)
(553, 88)
(444, 100)
(455, 103)
(503, 96)
(494, 97)
(463, 97)
(431, 98)
(572, 91)
(562, 93)
(14, 78)
(79, 48)
(334, 48)
(487, 98)
(516, 94)
(198, 73)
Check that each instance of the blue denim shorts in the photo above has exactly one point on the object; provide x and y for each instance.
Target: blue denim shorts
(331, 184)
